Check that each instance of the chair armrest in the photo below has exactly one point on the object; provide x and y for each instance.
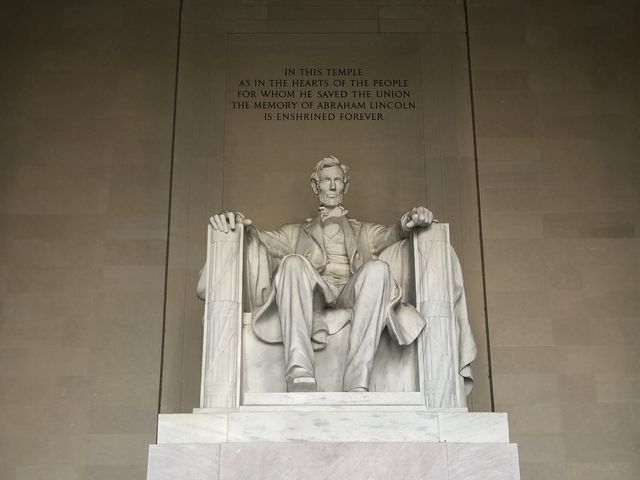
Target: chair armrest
(439, 342)
(220, 385)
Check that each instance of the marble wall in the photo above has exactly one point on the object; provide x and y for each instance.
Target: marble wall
(556, 115)
(85, 148)
(85, 160)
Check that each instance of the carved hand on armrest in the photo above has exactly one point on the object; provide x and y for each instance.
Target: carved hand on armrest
(417, 217)
(226, 221)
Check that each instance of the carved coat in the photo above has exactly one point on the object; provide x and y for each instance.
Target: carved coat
(363, 242)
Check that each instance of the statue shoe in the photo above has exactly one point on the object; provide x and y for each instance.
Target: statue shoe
(302, 384)
(358, 389)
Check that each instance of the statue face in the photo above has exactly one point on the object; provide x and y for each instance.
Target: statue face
(331, 186)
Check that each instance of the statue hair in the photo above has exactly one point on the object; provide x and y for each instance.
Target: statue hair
(326, 162)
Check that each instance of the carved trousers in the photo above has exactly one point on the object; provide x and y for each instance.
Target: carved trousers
(367, 293)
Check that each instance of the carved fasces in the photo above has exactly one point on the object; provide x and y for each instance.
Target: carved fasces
(220, 383)
(438, 344)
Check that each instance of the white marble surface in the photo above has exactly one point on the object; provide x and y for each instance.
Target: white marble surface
(184, 462)
(190, 428)
(333, 408)
(334, 398)
(335, 461)
(221, 347)
(263, 367)
(473, 427)
(338, 423)
(334, 427)
(446, 345)
(483, 461)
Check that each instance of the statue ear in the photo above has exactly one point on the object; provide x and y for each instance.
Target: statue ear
(314, 187)
(346, 187)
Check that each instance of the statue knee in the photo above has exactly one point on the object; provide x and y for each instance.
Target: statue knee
(292, 263)
(293, 270)
(376, 269)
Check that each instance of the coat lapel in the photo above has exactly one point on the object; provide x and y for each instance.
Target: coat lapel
(351, 229)
(314, 230)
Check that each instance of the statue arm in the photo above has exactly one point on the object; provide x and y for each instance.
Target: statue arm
(277, 242)
(381, 237)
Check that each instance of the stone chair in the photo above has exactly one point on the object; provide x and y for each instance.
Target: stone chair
(239, 370)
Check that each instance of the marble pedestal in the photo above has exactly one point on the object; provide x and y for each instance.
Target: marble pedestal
(345, 442)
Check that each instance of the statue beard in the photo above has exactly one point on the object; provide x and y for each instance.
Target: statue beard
(330, 201)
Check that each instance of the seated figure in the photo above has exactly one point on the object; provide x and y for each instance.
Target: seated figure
(329, 261)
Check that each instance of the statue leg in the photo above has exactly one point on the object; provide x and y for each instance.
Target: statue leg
(368, 292)
(295, 282)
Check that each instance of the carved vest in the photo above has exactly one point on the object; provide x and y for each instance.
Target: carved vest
(336, 271)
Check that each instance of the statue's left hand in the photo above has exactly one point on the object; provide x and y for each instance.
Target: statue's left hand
(417, 217)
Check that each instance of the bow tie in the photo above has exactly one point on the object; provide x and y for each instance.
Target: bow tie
(328, 212)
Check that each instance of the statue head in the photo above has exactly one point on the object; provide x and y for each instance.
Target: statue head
(330, 181)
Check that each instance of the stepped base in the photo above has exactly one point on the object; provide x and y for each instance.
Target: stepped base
(346, 442)
(337, 424)
(336, 461)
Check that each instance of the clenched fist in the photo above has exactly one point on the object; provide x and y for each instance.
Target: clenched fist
(417, 217)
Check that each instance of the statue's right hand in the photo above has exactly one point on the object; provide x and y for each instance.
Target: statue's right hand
(224, 222)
